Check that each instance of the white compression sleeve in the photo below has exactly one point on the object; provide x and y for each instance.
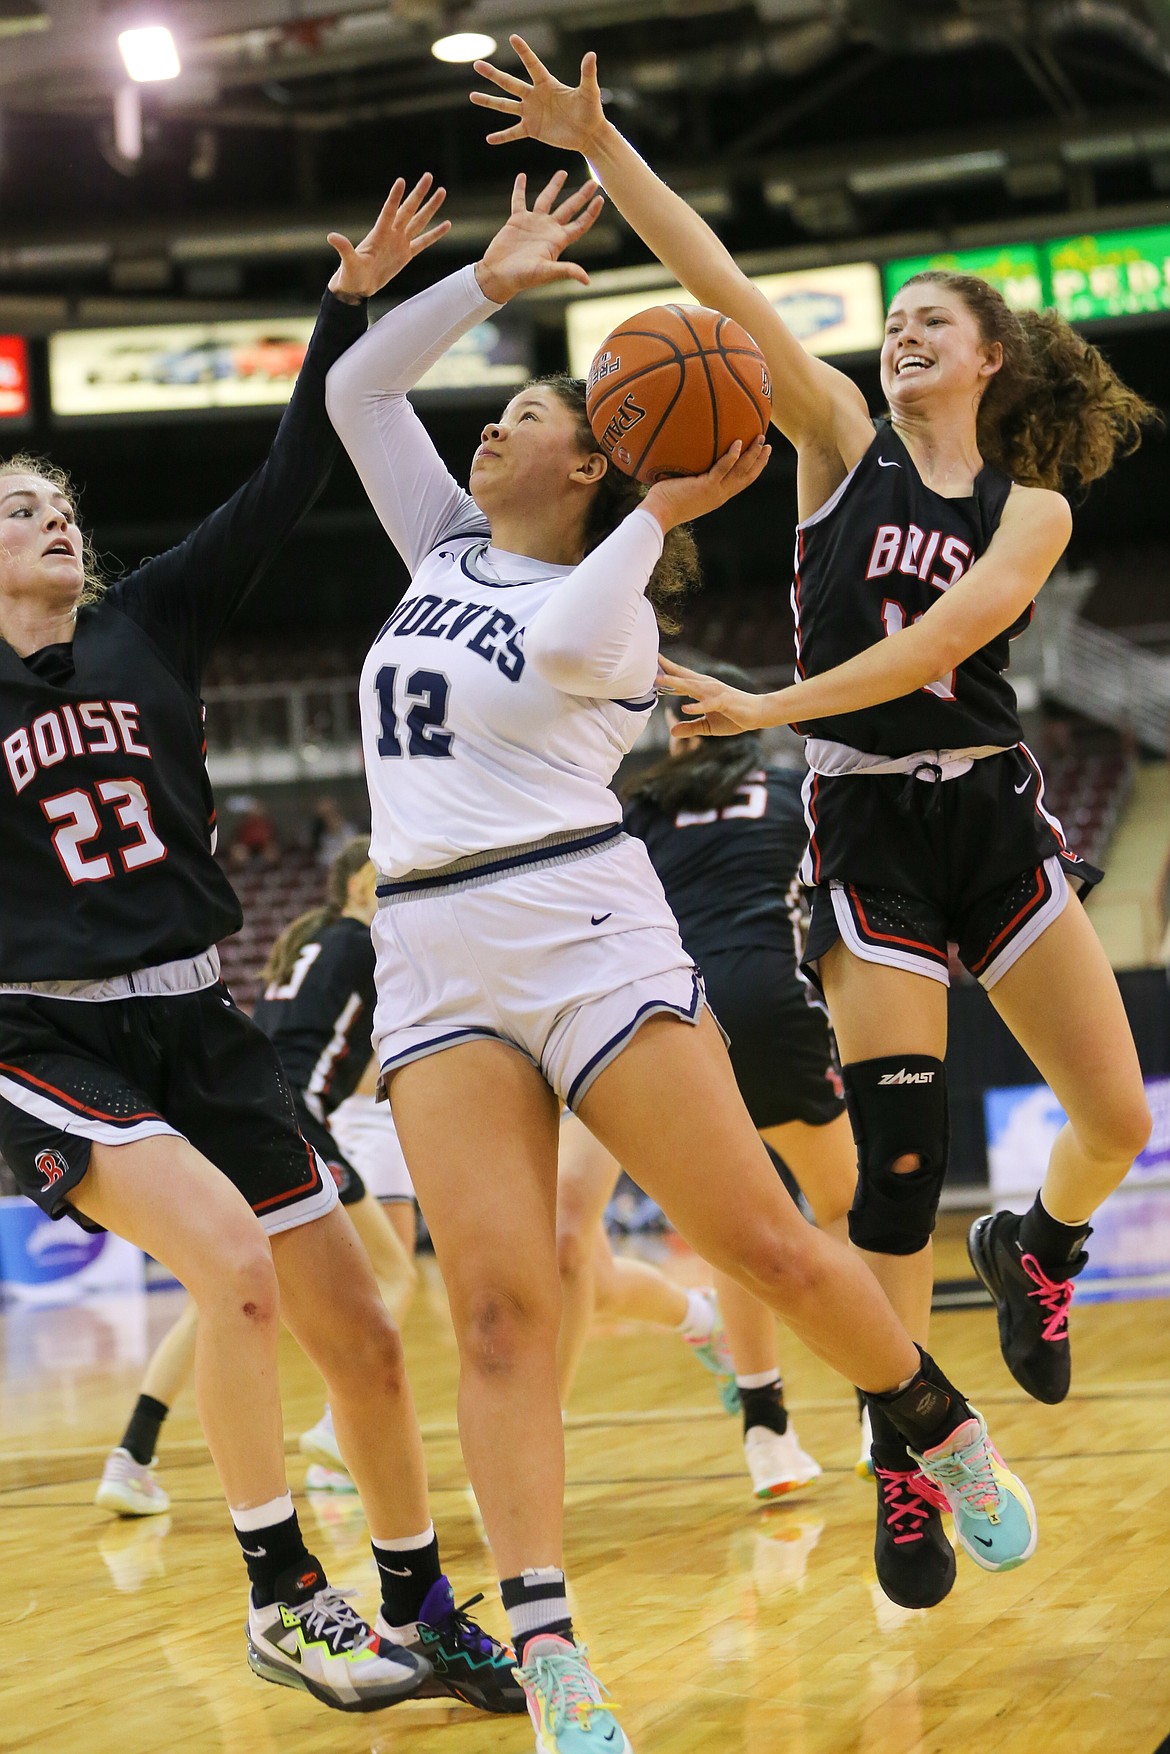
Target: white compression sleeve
(597, 634)
(418, 502)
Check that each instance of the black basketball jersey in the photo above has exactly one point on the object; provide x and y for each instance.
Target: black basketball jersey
(871, 561)
(730, 874)
(107, 820)
(319, 1020)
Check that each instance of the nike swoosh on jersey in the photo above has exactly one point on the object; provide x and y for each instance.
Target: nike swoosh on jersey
(600, 919)
(888, 463)
(1018, 789)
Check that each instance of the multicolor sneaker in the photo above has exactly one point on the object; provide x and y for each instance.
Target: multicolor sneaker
(564, 1700)
(863, 1467)
(466, 1662)
(319, 1443)
(1032, 1309)
(321, 1479)
(316, 1643)
(995, 1520)
(130, 1489)
(777, 1464)
(714, 1354)
(914, 1560)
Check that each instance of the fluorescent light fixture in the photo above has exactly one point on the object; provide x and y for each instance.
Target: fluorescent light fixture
(150, 54)
(463, 45)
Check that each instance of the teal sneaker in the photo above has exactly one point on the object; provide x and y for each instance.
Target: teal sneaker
(564, 1701)
(714, 1355)
(995, 1521)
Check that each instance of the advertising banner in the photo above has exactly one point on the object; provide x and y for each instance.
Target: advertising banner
(14, 396)
(1015, 270)
(189, 367)
(48, 1261)
(1022, 1121)
(830, 310)
(1119, 274)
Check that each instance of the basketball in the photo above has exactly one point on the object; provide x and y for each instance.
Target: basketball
(672, 388)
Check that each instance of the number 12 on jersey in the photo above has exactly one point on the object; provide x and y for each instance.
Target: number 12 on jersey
(426, 720)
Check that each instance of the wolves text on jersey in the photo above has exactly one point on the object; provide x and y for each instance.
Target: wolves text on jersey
(913, 551)
(496, 637)
(93, 727)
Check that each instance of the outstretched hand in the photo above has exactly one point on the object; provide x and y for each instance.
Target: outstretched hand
(527, 249)
(711, 708)
(397, 236)
(545, 109)
(678, 499)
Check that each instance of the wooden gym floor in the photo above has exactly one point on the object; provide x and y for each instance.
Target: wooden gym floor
(720, 1626)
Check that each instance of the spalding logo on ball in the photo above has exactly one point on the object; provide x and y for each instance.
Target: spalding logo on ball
(672, 388)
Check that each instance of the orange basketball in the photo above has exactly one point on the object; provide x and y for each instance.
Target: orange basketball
(670, 389)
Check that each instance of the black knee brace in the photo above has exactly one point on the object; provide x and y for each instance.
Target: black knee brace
(897, 1108)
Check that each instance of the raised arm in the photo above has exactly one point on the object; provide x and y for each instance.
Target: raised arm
(1032, 535)
(813, 405)
(417, 500)
(185, 596)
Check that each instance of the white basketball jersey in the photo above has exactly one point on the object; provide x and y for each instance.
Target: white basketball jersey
(467, 747)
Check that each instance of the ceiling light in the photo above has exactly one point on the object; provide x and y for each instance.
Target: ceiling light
(463, 45)
(150, 53)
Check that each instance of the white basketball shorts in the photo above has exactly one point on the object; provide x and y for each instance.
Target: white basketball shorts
(368, 1138)
(562, 953)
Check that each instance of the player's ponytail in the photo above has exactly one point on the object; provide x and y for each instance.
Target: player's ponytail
(1055, 414)
(93, 584)
(708, 771)
(618, 495)
(282, 957)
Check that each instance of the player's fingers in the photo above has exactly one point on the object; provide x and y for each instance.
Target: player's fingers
(723, 466)
(689, 728)
(430, 237)
(589, 71)
(506, 81)
(564, 271)
(390, 205)
(580, 226)
(573, 203)
(487, 100)
(530, 60)
(412, 202)
(428, 210)
(544, 201)
(519, 194)
(668, 668)
(343, 247)
(502, 136)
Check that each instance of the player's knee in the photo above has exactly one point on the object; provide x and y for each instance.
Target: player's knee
(375, 1357)
(780, 1267)
(898, 1110)
(504, 1326)
(574, 1252)
(1117, 1131)
(244, 1282)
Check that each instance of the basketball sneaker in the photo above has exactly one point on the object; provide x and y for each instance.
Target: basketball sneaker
(564, 1700)
(319, 1443)
(714, 1355)
(995, 1521)
(322, 1479)
(863, 1466)
(311, 1639)
(914, 1560)
(777, 1464)
(466, 1662)
(130, 1489)
(1031, 1308)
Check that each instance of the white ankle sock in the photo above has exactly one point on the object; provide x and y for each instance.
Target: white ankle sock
(699, 1321)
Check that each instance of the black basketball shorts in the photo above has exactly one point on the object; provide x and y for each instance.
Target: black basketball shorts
(75, 1072)
(350, 1186)
(780, 1046)
(901, 867)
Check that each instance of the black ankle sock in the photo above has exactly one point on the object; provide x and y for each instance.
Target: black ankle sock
(406, 1573)
(765, 1406)
(927, 1410)
(537, 1606)
(141, 1435)
(889, 1445)
(279, 1564)
(1055, 1245)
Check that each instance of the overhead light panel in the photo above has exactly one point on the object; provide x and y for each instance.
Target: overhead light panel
(150, 54)
(463, 45)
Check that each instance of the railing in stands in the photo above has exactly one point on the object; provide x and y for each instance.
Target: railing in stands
(1107, 677)
(258, 731)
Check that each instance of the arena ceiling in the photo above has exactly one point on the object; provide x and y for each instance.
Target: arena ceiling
(798, 126)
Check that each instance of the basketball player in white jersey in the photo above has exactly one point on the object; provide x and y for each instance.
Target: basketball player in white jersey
(526, 954)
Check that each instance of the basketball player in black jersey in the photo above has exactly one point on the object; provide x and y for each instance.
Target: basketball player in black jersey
(921, 546)
(134, 1095)
(725, 833)
(317, 1011)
